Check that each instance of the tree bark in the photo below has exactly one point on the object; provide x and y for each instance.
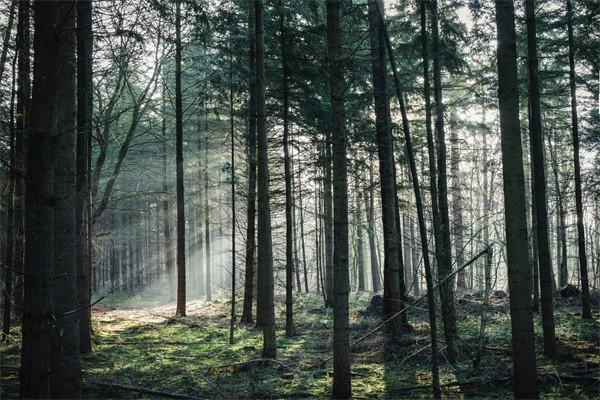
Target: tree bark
(443, 239)
(583, 268)
(266, 283)
(342, 387)
(251, 201)
(65, 369)
(181, 293)
(391, 269)
(537, 149)
(289, 256)
(519, 272)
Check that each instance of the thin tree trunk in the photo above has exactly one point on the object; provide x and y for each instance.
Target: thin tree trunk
(233, 219)
(443, 243)
(519, 271)
(342, 387)
(289, 256)
(251, 201)
(583, 269)
(266, 283)
(181, 295)
(207, 264)
(369, 208)
(359, 243)
(457, 212)
(166, 207)
(537, 149)
(419, 204)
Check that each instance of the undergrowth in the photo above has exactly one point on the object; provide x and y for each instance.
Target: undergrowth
(143, 345)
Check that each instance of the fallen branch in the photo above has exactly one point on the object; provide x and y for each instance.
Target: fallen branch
(146, 391)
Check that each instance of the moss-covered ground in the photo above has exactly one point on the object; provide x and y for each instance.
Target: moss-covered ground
(142, 345)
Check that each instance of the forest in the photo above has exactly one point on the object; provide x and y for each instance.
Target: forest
(271, 199)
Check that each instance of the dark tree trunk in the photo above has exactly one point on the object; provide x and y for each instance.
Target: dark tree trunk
(251, 202)
(391, 269)
(443, 243)
(289, 256)
(9, 255)
(266, 283)
(419, 204)
(360, 259)
(328, 222)
(181, 295)
(457, 212)
(537, 149)
(233, 219)
(519, 271)
(583, 268)
(84, 136)
(342, 387)
(65, 369)
(7, 34)
(207, 263)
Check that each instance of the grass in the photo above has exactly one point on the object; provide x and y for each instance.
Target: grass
(143, 345)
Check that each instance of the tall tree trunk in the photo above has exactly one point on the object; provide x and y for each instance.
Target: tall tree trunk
(304, 266)
(23, 125)
(342, 387)
(391, 276)
(251, 201)
(561, 230)
(419, 204)
(266, 285)
(65, 369)
(289, 256)
(233, 219)
(519, 271)
(84, 136)
(179, 170)
(537, 149)
(583, 269)
(443, 239)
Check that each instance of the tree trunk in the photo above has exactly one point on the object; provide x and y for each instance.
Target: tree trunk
(11, 199)
(289, 256)
(443, 239)
(360, 262)
(342, 387)
(251, 201)
(327, 222)
(7, 34)
(65, 369)
(519, 272)
(179, 170)
(266, 283)
(84, 136)
(419, 203)
(233, 219)
(537, 149)
(391, 275)
(207, 263)
(583, 269)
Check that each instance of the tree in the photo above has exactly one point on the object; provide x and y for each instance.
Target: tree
(342, 387)
(391, 268)
(179, 167)
(265, 287)
(519, 272)
(443, 251)
(583, 269)
(537, 149)
(289, 254)
(251, 200)
(84, 136)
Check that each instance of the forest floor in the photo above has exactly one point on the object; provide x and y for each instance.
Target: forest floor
(141, 348)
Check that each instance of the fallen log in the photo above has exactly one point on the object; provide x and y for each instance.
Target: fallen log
(146, 391)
